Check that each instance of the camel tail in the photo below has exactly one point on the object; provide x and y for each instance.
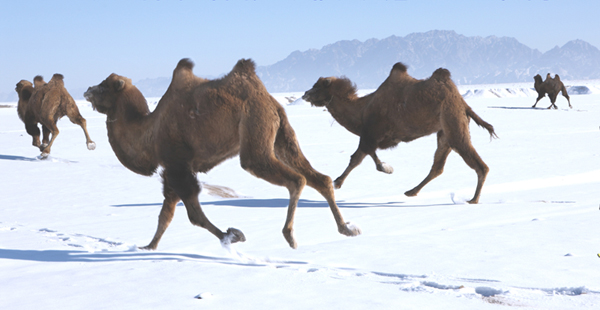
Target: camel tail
(481, 123)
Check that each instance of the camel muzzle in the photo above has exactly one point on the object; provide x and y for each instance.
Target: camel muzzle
(306, 97)
(88, 95)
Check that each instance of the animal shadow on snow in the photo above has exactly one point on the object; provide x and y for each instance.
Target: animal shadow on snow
(63, 256)
(21, 158)
(283, 203)
(518, 108)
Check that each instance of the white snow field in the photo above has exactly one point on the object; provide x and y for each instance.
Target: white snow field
(70, 225)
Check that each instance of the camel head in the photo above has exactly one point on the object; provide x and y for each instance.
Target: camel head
(537, 78)
(104, 95)
(24, 89)
(320, 94)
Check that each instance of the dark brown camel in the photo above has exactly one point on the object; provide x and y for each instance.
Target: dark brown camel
(46, 103)
(400, 110)
(551, 86)
(197, 125)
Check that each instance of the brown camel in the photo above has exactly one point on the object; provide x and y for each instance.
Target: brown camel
(46, 103)
(551, 86)
(200, 123)
(400, 110)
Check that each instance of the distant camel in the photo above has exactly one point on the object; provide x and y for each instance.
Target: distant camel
(198, 124)
(46, 103)
(551, 86)
(403, 109)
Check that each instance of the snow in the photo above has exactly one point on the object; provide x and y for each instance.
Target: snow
(70, 225)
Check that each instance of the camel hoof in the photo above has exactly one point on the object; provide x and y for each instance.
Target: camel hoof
(350, 230)
(149, 247)
(289, 237)
(337, 184)
(473, 201)
(411, 193)
(383, 167)
(232, 236)
(91, 146)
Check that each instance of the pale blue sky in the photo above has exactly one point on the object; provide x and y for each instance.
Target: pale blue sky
(87, 40)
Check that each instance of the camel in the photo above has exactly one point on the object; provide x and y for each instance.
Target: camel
(26, 114)
(403, 109)
(46, 103)
(551, 86)
(198, 124)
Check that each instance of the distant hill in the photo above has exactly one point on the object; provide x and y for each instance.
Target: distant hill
(471, 60)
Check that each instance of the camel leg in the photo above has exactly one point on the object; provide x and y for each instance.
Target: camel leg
(77, 119)
(564, 93)
(166, 214)
(439, 160)
(381, 166)
(461, 143)
(54, 131)
(366, 146)
(33, 130)
(355, 160)
(538, 99)
(266, 166)
(552, 101)
(46, 137)
(185, 185)
(288, 151)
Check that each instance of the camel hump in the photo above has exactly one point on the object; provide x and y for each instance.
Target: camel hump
(38, 80)
(185, 63)
(400, 67)
(556, 77)
(246, 66)
(441, 74)
(57, 79)
(183, 74)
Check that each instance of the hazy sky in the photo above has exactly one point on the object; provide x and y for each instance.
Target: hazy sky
(87, 40)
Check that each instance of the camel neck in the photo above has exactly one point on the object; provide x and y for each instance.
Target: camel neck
(131, 137)
(348, 112)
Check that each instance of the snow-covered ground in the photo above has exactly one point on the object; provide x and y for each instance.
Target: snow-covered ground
(70, 225)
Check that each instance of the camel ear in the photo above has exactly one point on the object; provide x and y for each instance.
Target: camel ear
(119, 85)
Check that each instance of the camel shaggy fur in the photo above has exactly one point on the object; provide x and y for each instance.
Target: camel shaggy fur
(46, 103)
(551, 86)
(400, 110)
(200, 123)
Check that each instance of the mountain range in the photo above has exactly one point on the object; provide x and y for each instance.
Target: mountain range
(471, 60)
